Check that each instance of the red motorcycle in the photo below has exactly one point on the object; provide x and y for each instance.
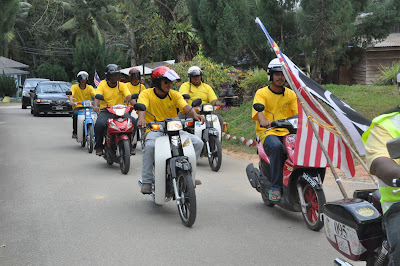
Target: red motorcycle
(118, 136)
(302, 186)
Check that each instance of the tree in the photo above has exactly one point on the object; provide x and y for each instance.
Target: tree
(8, 12)
(326, 32)
(52, 72)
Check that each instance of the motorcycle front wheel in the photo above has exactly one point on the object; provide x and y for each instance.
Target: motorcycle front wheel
(314, 199)
(124, 156)
(215, 156)
(89, 138)
(187, 207)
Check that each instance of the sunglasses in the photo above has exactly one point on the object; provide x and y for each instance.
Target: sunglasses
(166, 81)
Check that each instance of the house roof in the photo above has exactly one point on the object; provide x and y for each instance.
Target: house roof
(8, 66)
(393, 40)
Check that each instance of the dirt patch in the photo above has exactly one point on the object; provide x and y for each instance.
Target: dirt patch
(253, 158)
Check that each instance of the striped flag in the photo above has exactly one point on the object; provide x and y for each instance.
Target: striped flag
(308, 151)
(96, 79)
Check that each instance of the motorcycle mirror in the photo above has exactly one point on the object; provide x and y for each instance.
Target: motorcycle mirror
(31, 91)
(186, 96)
(196, 102)
(393, 147)
(259, 107)
(99, 97)
(68, 92)
(139, 106)
(135, 96)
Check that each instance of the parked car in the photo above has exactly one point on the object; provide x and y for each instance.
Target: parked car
(29, 84)
(50, 97)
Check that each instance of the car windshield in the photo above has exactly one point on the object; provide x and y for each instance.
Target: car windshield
(31, 83)
(53, 88)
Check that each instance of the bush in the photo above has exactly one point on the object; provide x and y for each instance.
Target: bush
(254, 80)
(52, 72)
(388, 75)
(8, 87)
(215, 75)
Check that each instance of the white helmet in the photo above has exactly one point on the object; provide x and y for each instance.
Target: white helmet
(82, 75)
(274, 66)
(194, 71)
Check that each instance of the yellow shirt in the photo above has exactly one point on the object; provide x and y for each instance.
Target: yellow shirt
(161, 108)
(281, 105)
(203, 91)
(80, 95)
(112, 96)
(375, 146)
(135, 88)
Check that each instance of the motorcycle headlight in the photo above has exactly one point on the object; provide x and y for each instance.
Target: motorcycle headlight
(294, 122)
(87, 103)
(129, 125)
(174, 125)
(208, 108)
(119, 111)
(113, 126)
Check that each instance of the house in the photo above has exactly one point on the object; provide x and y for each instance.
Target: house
(14, 69)
(370, 61)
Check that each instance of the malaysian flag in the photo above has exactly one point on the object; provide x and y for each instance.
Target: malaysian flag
(308, 151)
(96, 79)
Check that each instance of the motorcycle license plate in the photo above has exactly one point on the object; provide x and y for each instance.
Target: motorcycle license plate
(58, 107)
(344, 236)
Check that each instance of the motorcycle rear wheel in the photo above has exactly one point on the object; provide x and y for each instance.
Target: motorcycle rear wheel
(187, 208)
(315, 200)
(215, 159)
(125, 156)
(89, 138)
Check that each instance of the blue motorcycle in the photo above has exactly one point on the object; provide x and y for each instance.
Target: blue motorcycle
(85, 128)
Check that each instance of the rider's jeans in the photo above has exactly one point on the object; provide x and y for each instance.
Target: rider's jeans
(148, 156)
(275, 150)
(391, 222)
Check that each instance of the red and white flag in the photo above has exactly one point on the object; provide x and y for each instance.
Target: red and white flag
(96, 79)
(308, 151)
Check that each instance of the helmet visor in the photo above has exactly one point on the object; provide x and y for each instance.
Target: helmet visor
(83, 77)
(196, 72)
(171, 75)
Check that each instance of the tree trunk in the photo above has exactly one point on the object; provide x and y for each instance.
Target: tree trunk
(133, 45)
(179, 49)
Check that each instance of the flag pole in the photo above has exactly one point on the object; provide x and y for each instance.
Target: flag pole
(333, 122)
(328, 159)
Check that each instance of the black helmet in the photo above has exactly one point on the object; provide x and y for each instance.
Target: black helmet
(112, 69)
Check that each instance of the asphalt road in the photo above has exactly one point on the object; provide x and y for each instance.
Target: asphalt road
(60, 205)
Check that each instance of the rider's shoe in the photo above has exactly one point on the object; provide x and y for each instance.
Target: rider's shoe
(133, 151)
(197, 182)
(99, 152)
(146, 188)
(74, 136)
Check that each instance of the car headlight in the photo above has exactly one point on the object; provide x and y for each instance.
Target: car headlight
(208, 108)
(174, 125)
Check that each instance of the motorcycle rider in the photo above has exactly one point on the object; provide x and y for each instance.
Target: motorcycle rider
(384, 128)
(196, 88)
(282, 103)
(80, 92)
(163, 103)
(114, 93)
(134, 85)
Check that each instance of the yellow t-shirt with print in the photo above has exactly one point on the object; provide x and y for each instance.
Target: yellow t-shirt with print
(112, 96)
(161, 108)
(135, 88)
(80, 95)
(282, 105)
(203, 91)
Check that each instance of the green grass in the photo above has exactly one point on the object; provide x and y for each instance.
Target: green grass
(369, 101)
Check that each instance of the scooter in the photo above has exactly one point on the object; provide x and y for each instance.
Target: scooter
(354, 226)
(139, 136)
(302, 186)
(210, 132)
(174, 166)
(118, 136)
(85, 124)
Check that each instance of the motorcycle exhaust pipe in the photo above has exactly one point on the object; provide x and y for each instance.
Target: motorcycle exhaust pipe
(380, 260)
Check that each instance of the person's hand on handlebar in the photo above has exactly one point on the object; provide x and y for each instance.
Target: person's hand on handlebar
(141, 123)
(199, 118)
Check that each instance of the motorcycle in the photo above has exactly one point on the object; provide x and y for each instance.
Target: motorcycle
(174, 166)
(85, 126)
(118, 135)
(210, 132)
(354, 226)
(302, 186)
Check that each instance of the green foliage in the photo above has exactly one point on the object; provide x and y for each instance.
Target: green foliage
(388, 75)
(254, 80)
(215, 75)
(91, 56)
(8, 12)
(8, 87)
(52, 72)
